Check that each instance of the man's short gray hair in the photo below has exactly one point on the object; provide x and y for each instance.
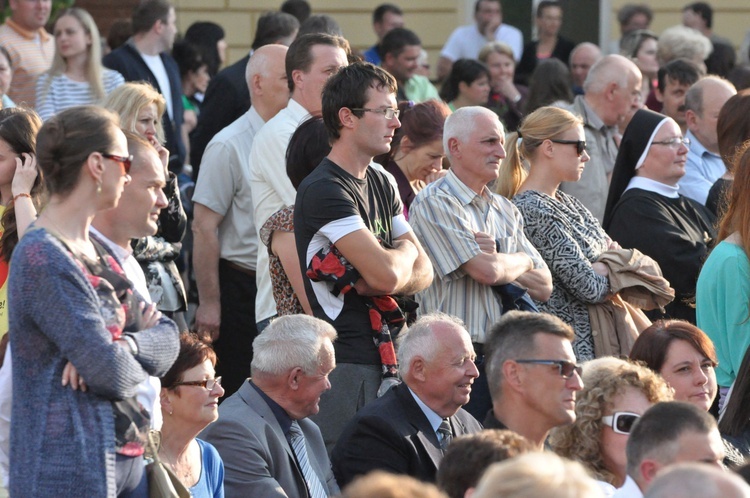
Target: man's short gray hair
(418, 339)
(611, 68)
(291, 341)
(461, 123)
(682, 42)
(694, 95)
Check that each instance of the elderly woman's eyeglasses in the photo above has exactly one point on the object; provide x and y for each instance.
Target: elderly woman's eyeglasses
(580, 145)
(208, 384)
(674, 142)
(567, 368)
(621, 422)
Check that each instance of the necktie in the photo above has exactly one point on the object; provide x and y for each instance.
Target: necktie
(445, 434)
(298, 446)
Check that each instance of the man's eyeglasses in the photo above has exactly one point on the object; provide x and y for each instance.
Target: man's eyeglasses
(208, 384)
(567, 368)
(388, 112)
(621, 422)
(580, 145)
(674, 142)
(125, 161)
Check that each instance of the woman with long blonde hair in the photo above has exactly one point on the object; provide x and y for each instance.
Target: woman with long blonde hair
(77, 76)
(566, 234)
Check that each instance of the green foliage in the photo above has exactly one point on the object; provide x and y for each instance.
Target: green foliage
(57, 6)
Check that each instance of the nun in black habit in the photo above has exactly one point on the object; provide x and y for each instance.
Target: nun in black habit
(645, 211)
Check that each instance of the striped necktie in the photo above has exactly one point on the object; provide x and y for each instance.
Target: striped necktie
(298, 446)
(446, 434)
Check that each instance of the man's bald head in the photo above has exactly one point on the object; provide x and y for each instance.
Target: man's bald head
(265, 75)
(612, 68)
(613, 88)
(582, 59)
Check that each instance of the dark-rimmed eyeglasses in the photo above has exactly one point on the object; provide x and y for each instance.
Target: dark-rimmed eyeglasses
(674, 142)
(126, 162)
(621, 422)
(388, 112)
(208, 384)
(567, 368)
(580, 145)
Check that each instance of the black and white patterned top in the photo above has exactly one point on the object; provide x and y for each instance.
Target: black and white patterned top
(570, 239)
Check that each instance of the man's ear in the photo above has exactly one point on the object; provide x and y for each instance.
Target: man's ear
(691, 118)
(659, 96)
(298, 78)
(610, 90)
(347, 117)
(649, 469)
(512, 375)
(417, 369)
(454, 146)
(294, 377)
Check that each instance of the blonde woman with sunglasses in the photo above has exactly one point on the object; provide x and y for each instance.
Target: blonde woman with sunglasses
(615, 394)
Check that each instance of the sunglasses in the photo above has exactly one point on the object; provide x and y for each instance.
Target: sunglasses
(125, 161)
(208, 384)
(580, 144)
(566, 368)
(621, 422)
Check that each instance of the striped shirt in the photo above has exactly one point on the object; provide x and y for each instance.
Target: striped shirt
(31, 54)
(445, 215)
(64, 92)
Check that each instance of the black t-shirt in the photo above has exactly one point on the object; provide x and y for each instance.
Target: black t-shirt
(331, 203)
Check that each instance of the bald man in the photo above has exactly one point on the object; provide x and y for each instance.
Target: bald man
(582, 58)
(226, 239)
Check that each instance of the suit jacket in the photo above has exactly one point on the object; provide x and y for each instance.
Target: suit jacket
(227, 98)
(128, 61)
(258, 460)
(392, 433)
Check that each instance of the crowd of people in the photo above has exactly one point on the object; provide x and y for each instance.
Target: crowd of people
(318, 272)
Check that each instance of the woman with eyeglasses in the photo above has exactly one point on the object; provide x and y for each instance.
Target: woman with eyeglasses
(190, 401)
(73, 315)
(565, 233)
(615, 394)
(686, 359)
(645, 210)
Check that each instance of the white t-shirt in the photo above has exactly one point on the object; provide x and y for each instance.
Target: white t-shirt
(466, 41)
(156, 65)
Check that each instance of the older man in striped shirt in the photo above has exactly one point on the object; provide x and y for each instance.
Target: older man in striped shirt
(30, 46)
(474, 238)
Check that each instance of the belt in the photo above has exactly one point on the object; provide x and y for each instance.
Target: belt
(236, 267)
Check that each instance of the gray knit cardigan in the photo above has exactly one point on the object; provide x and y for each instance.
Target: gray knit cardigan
(62, 441)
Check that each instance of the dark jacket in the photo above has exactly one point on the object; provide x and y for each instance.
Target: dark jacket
(528, 61)
(393, 434)
(128, 61)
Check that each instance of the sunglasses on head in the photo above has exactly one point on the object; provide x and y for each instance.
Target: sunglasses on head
(567, 368)
(621, 422)
(580, 144)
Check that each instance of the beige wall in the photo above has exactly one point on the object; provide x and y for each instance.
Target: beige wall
(432, 20)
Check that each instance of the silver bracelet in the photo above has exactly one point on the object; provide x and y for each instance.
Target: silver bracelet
(132, 345)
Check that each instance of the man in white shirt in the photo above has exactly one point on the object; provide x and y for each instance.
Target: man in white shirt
(225, 236)
(668, 433)
(466, 41)
(310, 61)
(704, 166)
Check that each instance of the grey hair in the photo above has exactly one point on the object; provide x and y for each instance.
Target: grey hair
(682, 42)
(609, 69)
(460, 124)
(291, 341)
(259, 62)
(695, 480)
(694, 95)
(418, 339)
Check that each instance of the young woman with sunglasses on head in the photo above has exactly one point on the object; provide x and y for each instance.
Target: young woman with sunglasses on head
(73, 315)
(615, 394)
(190, 401)
(565, 233)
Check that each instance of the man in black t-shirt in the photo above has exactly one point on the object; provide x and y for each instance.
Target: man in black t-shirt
(347, 203)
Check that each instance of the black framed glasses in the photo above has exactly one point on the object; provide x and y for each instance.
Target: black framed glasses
(674, 142)
(208, 384)
(580, 144)
(126, 162)
(621, 422)
(388, 112)
(567, 368)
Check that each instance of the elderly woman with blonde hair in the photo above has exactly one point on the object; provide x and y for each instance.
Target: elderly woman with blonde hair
(615, 394)
(537, 474)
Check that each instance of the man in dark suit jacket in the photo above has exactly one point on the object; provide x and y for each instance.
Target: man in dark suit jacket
(407, 429)
(255, 432)
(145, 57)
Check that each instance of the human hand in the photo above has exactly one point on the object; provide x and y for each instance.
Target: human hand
(436, 175)
(208, 320)
(161, 150)
(600, 269)
(70, 376)
(486, 242)
(150, 314)
(25, 174)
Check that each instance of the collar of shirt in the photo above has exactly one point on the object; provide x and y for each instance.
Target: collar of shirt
(463, 193)
(629, 489)
(653, 186)
(296, 110)
(697, 148)
(590, 117)
(30, 35)
(282, 417)
(119, 252)
(433, 418)
(256, 122)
